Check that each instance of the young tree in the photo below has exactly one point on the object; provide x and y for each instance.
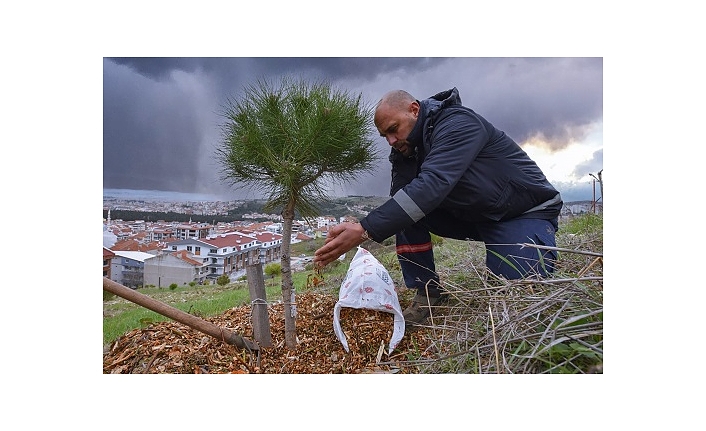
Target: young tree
(291, 141)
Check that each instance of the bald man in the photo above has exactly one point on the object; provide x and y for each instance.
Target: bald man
(455, 175)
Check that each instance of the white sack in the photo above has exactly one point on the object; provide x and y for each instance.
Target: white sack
(368, 285)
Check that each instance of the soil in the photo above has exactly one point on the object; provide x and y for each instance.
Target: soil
(174, 348)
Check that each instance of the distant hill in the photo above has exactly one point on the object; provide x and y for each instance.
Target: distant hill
(356, 206)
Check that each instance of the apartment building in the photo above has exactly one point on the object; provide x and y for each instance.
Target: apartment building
(230, 253)
(127, 268)
(193, 230)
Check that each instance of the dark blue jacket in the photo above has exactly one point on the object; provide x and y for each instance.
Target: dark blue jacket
(465, 166)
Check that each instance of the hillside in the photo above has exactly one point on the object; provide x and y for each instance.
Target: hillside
(489, 326)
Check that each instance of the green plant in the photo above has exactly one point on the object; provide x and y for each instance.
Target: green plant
(289, 141)
(173, 286)
(505, 260)
(223, 280)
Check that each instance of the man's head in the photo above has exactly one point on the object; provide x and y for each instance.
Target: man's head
(395, 116)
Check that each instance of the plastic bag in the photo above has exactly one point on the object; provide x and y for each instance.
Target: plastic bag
(368, 285)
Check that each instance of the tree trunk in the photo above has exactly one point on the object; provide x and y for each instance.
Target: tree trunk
(288, 292)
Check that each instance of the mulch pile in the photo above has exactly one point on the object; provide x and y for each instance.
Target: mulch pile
(174, 348)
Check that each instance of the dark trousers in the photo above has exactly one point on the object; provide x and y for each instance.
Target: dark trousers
(503, 256)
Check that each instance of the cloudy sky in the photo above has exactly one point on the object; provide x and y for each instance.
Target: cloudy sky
(161, 115)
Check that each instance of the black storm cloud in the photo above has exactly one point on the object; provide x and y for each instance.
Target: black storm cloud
(162, 116)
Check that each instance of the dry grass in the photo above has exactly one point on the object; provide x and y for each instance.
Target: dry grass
(526, 326)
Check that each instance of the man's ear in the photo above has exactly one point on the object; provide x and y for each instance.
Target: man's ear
(414, 108)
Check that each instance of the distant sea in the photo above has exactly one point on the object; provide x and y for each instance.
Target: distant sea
(159, 195)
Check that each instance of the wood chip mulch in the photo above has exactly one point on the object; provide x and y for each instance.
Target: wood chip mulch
(174, 348)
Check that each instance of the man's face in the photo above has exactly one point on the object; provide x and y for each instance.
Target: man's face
(396, 123)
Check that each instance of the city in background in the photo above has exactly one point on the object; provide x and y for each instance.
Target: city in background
(165, 240)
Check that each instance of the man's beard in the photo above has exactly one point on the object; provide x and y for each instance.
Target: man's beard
(407, 149)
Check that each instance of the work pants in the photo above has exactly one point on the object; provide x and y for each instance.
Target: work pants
(504, 256)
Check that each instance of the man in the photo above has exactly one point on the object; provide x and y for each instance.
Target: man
(457, 176)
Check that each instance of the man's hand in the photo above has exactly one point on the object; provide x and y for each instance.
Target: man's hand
(339, 240)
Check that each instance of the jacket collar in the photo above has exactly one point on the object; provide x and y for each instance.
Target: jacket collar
(415, 136)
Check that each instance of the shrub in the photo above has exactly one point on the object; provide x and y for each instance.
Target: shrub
(223, 280)
(173, 286)
(273, 269)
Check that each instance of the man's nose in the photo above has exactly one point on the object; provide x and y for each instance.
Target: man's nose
(391, 140)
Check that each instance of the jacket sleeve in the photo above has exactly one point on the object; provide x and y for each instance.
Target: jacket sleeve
(456, 138)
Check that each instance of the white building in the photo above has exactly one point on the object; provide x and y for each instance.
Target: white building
(127, 268)
(179, 267)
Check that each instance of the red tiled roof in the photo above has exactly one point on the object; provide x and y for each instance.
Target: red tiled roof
(267, 236)
(126, 245)
(230, 240)
(184, 255)
(134, 245)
